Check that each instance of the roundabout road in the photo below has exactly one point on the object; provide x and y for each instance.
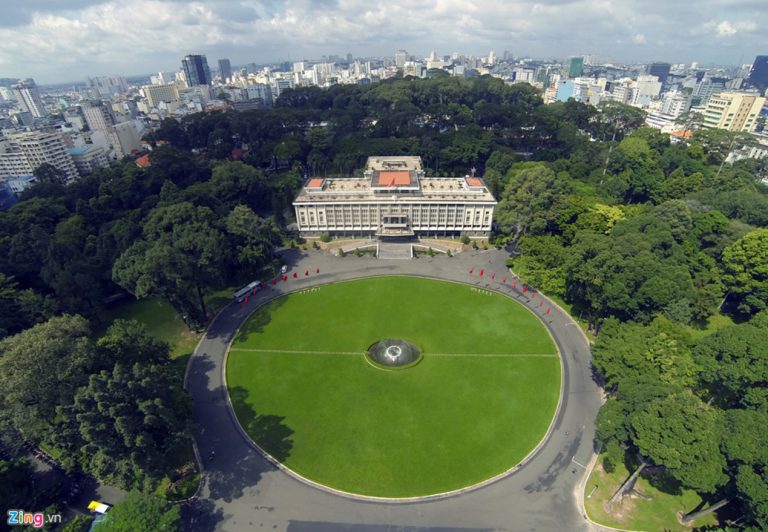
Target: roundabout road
(241, 490)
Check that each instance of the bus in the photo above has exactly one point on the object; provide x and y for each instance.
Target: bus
(244, 292)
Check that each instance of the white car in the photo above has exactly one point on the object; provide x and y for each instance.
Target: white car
(284, 269)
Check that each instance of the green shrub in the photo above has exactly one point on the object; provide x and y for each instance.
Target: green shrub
(464, 239)
(325, 237)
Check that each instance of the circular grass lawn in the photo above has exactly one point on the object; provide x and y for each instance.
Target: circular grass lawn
(479, 400)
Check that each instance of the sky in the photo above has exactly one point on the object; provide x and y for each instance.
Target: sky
(66, 40)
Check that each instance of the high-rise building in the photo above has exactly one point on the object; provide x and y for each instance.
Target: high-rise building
(660, 70)
(39, 147)
(734, 111)
(196, 71)
(401, 56)
(28, 97)
(225, 69)
(758, 74)
(98, 116)
(575, 67)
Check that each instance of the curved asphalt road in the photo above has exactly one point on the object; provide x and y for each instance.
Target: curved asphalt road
(243, 491)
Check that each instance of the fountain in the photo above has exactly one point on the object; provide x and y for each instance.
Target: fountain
(393, 353)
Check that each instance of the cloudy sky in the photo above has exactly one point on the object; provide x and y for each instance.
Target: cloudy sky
(65, 40)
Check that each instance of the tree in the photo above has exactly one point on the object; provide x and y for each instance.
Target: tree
(47, 173)
(183, 254)
(40, 368)
(16, 490)
(139, 511)
(253, 238)
(733, 366)
(126, 423)
(681, 433)
(525, 206)
(128, 342)
(745, 265)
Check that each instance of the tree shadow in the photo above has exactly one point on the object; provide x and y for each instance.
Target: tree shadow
(200, 515)
(662, 480)
(267, 430)
(231, 463)
(247, 321)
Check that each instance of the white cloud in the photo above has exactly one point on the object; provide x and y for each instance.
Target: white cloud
(93, 37)
(725, 29)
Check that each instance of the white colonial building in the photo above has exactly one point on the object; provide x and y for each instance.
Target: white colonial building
(394, 199)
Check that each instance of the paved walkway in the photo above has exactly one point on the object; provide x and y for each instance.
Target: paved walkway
(395, 250)
(243, 491)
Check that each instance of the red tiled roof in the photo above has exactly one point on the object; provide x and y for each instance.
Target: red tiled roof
(683, 134)
(316, 182)
(144, 161)
(390, 178)
(475, 182)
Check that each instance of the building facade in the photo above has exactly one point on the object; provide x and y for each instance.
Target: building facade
(28, 97)
(394, 199)
(758, 74)
(160, 93)
(88, 158)
(734, 111)
(225, 69)
(196, 71)
(36, 148)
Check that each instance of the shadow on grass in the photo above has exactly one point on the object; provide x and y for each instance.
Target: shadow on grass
(267, 430)
(256, 323)
(662, 480)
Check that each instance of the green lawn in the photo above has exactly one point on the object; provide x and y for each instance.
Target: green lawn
(479, 401)
(657, 512)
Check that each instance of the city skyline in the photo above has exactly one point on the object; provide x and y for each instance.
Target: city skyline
(53, 41)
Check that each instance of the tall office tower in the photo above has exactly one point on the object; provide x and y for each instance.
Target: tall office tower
(225, 69)
(196, 70)
(575, 67)
(492, 58)
(734, 111)
(401, 56)
(758, 74)
(28, 97)
(660, 70)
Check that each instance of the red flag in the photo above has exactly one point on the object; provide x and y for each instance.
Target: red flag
(246, 299)
(504, 280)
(254, 292)
(481, 272)
(533, 295)
(514, 283)
(548, 311)
(274, 281)
(471, 270)
(493, 276)
(285, 278)
(317, 271)
(295, 275)
(306, 273)
(524, 288)
(541, 302)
